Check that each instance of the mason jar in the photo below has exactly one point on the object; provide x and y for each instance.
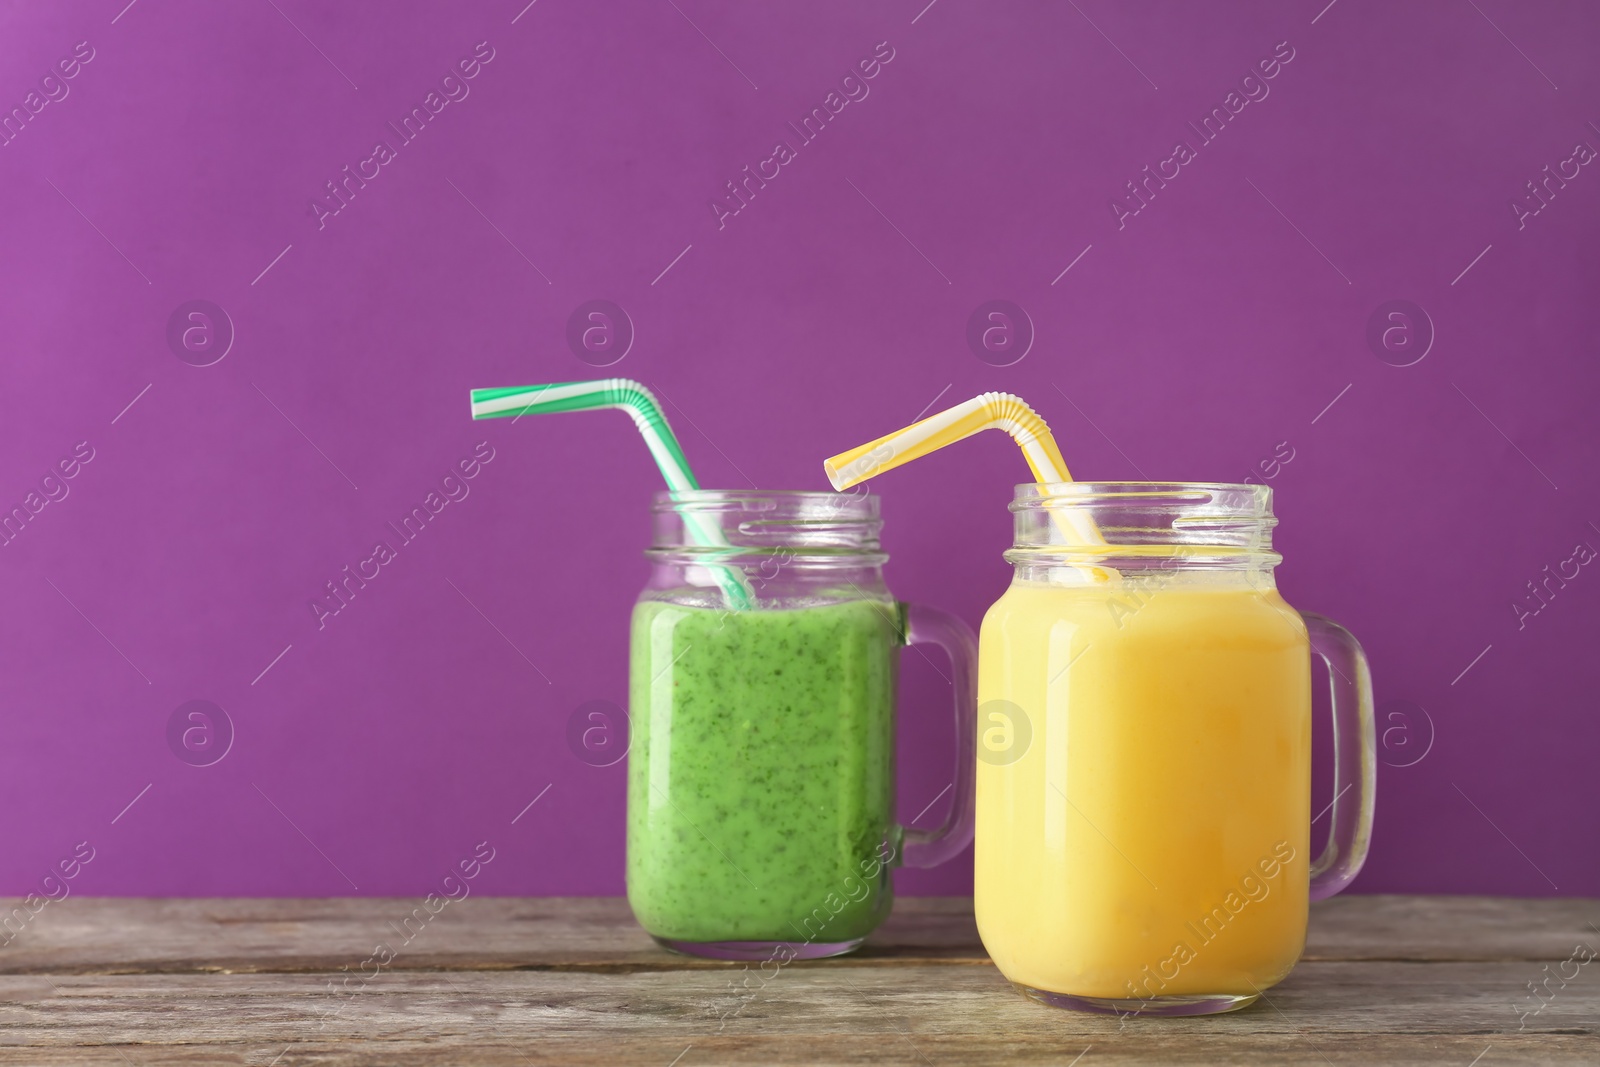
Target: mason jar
(761, 776)
(1144, 776)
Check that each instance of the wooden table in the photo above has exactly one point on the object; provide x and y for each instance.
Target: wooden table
(1394, 980)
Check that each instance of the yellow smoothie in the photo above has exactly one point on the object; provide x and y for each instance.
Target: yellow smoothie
(1151, 840)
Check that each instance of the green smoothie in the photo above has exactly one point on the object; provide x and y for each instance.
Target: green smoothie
(761, 770)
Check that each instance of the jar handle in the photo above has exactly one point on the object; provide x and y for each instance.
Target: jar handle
(924, 625)
(1355, 759)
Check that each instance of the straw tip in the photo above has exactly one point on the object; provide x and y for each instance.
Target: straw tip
(839, 479)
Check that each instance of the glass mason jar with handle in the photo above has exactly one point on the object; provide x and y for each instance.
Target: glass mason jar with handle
(1144, 774)
(761, 772)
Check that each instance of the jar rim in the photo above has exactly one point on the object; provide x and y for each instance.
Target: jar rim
(1246, 496)
(1132, 523)
(811, 525)
(1132, 486)
(850, 504)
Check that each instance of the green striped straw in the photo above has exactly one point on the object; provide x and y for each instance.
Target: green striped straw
(633, 398)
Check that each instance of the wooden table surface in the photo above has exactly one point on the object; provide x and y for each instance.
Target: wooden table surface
(1385, 979)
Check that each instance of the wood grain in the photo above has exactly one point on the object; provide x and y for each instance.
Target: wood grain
(1404, 980)
(96, 934)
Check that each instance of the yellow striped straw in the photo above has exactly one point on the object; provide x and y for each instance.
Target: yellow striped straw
(989, 411)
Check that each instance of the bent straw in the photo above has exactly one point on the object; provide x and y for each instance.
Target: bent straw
(989, 411)
(625, 395)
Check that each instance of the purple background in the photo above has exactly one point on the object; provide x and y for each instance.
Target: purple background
(1222, 319)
